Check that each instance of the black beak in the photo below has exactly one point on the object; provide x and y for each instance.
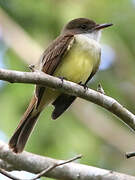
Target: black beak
(101, 26)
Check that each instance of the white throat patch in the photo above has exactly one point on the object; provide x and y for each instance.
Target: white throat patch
(94, 35)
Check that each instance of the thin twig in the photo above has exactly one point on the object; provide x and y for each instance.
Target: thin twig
(44, 172)
(7, 174)
(54, 166)
(32, 67)
(100, 89)
(130, 154)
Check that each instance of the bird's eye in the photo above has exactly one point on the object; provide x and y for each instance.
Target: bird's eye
(83, 26)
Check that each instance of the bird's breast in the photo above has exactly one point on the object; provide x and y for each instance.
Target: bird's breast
(81, 59)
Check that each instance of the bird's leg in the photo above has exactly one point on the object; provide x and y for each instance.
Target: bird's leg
(84, 86)
(62, 78)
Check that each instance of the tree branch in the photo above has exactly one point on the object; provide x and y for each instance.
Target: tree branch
(43, 79)
(43, 172)
(72, 171)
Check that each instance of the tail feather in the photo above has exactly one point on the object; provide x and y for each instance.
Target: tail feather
(23, 131)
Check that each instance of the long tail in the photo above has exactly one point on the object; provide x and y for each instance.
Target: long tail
(23, 131)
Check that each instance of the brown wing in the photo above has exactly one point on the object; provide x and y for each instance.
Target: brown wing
(61, 104)
(54, 53)
(51, 58)
(49, 62)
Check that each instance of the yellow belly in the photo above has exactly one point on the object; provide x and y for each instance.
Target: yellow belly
(80, 61)
(76, 65)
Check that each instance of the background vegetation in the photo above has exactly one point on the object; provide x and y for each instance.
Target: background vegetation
(85, 128)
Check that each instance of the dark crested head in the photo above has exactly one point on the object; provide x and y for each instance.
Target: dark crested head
(83, 25)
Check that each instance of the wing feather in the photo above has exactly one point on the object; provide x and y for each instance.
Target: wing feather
(51, 58)
(54, 53)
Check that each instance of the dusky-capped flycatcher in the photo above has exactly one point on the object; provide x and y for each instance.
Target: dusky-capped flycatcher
(74, 55)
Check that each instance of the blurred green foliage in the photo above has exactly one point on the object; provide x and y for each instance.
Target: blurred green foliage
(66, 137)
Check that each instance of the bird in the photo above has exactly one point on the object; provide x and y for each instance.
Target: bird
(75, 56)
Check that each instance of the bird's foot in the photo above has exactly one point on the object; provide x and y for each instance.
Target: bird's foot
(84, 86)
(62, 79)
